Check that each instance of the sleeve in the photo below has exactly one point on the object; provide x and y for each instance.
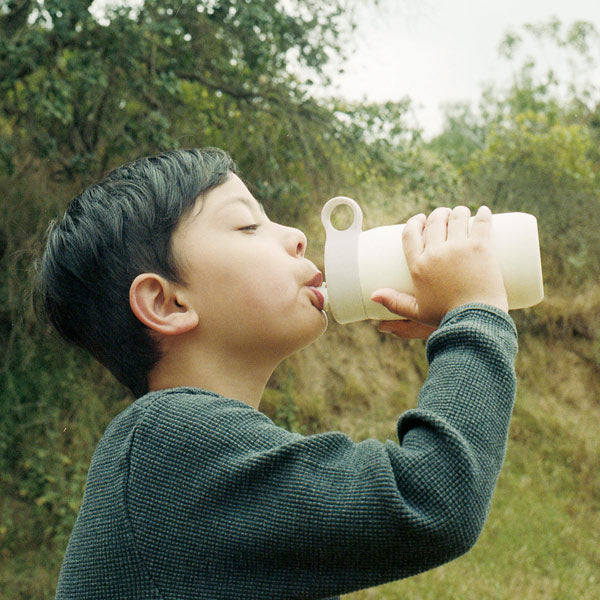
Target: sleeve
(225, 503)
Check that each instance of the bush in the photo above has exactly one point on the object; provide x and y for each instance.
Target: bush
(534, 164)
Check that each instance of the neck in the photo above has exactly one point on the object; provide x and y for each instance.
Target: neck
(240, 377)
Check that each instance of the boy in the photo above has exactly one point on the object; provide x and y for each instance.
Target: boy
(171, 274)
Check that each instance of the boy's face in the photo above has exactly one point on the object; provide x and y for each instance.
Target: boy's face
(247, 277)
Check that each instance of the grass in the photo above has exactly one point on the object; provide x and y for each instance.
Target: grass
(542, 538)
(30, 575)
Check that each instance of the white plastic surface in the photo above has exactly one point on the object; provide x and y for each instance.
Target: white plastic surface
(341, 263)
(358, 263)
(516, 244)
(377, 272)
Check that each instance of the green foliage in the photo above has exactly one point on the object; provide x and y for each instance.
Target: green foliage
(534, 146)
(565, 90)
(83, 92)
(462, 136)
(54, 483)
(287, 407)
(567, 83)
(534, 165)
(280, 404)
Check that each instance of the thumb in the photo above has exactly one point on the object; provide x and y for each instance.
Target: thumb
(399, 303)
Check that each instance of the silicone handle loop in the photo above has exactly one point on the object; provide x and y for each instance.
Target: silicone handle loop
(341, 263)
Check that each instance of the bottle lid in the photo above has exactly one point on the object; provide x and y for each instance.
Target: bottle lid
(341, 263)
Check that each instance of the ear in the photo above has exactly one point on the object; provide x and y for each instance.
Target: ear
(159, 305)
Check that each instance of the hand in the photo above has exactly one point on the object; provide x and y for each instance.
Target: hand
(449, 265)
(403, 328)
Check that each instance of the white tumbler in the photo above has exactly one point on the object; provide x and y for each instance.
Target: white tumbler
(359, 262)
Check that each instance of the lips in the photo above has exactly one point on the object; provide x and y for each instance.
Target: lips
(317, 298)
(316, 281)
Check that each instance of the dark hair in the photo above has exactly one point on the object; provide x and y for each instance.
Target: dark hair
(110, 233)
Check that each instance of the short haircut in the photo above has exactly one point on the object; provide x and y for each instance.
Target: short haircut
(110, 233)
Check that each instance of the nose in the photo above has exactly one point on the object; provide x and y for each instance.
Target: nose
(295, 242)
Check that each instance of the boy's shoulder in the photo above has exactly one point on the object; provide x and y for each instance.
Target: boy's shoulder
(173, 401)
(188, 419)
(171, 406)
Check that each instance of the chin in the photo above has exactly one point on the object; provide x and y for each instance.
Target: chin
(318, 330)
(311, 332)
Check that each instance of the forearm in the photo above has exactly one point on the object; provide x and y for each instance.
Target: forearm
(460, 427)
(471, 381)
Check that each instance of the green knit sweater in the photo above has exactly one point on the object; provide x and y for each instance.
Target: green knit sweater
(193, 495)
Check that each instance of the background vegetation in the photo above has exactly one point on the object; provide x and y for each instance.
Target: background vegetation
(80, 94)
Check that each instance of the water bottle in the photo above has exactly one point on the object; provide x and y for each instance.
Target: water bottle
(359, 262)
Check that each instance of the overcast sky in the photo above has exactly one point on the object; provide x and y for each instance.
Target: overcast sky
(438, 51)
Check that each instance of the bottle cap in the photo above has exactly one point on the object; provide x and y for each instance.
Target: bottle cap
(341, 263)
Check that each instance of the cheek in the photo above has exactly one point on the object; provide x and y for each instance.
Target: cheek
(268, 294)
(266, 281)
(250, 287)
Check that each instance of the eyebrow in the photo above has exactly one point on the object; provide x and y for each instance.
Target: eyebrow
(250, 203)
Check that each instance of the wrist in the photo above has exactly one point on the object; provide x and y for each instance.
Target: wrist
(489, 311)
(499, 302)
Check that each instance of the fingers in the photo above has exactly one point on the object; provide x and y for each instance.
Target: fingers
(482, 224)
(404, 305)
(412, 237)
(442, 224)
(458, 223)
(436, 227)
(397, 302)
(446, 224)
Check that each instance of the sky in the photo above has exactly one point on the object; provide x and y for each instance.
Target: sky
(441, 51)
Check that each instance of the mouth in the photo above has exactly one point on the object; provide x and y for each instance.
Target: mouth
(316, 281)
(317, 298)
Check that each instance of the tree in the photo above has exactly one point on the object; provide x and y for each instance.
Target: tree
(78, 90)
(535, 165)
(564, 89)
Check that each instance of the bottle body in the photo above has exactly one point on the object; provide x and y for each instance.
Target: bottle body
(359, 262)
(374, 245)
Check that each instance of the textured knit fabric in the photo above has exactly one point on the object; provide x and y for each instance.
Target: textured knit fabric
(193, 495)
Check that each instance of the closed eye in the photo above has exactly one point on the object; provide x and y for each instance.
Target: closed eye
(252, 227)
